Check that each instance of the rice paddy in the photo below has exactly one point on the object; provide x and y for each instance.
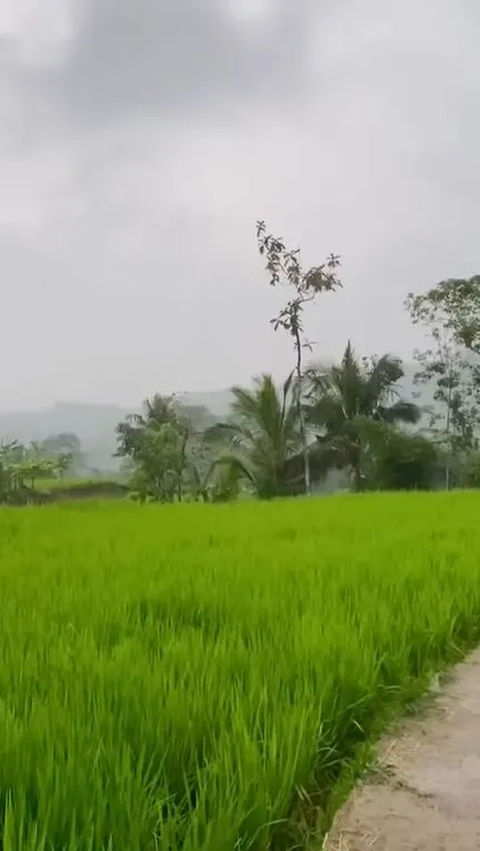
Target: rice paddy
(197, 678)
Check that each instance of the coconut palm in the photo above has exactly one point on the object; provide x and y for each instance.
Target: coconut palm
(351, 406)
(262, 438)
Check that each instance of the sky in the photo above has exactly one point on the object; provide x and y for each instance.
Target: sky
(140, 140)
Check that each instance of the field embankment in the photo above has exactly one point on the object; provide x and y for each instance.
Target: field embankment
(61, 490)
(181, 677)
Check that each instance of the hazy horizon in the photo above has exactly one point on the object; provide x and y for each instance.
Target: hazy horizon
(193, 395)
(140, 141)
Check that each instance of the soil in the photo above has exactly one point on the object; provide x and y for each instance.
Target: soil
(425, 792)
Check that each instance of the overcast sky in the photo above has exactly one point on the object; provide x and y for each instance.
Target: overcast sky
(141, 139)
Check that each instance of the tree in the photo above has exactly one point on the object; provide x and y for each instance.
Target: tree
(404, 461)
(453, 417)
(454, 305)
(63, 446)
(447, 366)
(156, 442)
(159, 464)
(472, 471)
(19, 472)
(350, 405)
(284, 268)
(63, 463)
(263, 437)
(65, 441)
(164, 446)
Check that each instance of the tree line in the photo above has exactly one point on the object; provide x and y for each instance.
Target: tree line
(350, 417)
(285, 440)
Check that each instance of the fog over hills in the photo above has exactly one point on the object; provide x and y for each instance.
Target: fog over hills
(95, 423)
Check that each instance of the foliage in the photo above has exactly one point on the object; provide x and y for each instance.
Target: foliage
(471, 470)
(228, 482)
(404, 462)
(20, 470)
(453, 305)
(64, 447)
(60, 444)
(172, 677)
(455, 416)
(284, 268)
(261, 438)
(165, 447)
(351, 404)
(156, 442)
(455, 424)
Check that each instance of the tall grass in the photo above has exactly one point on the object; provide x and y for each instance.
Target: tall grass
(176, 678)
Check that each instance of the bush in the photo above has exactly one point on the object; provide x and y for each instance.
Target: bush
(405, 462)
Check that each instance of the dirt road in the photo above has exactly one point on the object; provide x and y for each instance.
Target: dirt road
(426, 793)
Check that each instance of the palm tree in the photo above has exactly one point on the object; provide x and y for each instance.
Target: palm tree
(352, 404)
(263, 437)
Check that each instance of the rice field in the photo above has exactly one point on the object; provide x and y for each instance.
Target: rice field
(198, 678)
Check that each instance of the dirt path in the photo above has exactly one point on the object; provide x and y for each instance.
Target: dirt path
(426, 794)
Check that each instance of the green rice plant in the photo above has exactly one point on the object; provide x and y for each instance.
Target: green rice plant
(179, 678)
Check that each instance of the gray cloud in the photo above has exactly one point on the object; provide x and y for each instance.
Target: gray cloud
(139, 142)
(169, 56)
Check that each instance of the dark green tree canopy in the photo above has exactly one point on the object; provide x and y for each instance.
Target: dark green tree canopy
(349, 406)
